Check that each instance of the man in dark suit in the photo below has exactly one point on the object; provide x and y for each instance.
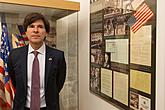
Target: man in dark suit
(51, 68)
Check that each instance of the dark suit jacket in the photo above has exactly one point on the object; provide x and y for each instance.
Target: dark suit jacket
(55, 72)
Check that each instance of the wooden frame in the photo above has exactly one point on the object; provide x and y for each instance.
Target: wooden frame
(60, 4)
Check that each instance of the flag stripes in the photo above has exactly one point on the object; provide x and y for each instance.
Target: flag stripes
(6, 88)
(142, 15)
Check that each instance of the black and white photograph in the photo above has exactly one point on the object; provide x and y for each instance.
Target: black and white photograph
(134, 101)
(127, 6)
(96, 40)
(121, 26)
(112, 3)
(111, 11)
(107, 60)
(109, 27)
(116, 25)
(96, 56)
(95, 79)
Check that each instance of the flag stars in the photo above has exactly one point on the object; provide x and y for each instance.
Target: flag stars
(4, 48)
(4, 35)
(4, 52)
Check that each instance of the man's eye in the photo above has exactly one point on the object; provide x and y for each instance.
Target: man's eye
(40, 26)
(31, 26)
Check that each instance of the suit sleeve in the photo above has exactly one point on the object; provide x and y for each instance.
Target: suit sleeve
(62, 72)
(11, 69)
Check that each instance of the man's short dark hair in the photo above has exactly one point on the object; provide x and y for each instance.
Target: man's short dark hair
(32, 17)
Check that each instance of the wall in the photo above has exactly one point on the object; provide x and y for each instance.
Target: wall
(160, 77)
(88, 101)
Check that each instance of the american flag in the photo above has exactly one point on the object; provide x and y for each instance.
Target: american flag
(140, 17)
(22, 37)
(17, 41)
(21, 29)
(6, 88)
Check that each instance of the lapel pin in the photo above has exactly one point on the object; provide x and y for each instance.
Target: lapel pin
(50, 59)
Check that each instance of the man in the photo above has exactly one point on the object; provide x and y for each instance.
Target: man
(50, 69)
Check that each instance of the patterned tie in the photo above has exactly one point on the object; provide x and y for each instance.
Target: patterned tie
(35, 85)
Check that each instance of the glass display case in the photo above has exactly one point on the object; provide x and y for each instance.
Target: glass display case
(123, 52)
(62, 16)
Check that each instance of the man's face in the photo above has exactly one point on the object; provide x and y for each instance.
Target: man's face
(36, 32)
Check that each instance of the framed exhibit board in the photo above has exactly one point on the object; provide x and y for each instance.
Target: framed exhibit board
(123, 52)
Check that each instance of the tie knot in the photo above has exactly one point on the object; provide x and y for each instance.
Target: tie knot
(35, 53)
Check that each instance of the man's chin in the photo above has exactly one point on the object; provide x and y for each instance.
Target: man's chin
(36, 42)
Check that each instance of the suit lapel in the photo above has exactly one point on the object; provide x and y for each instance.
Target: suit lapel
(24, 55)
(48, 62)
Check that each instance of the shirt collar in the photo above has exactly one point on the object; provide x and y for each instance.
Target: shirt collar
(41, 50)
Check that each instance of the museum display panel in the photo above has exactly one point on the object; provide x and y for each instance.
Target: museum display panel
(62, 16)
(123, 52)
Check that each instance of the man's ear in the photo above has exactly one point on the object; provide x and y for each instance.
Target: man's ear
(45, 38)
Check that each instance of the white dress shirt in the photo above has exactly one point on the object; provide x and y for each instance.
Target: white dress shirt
(41, 58)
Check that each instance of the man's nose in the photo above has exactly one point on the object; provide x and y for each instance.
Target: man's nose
(35, 29)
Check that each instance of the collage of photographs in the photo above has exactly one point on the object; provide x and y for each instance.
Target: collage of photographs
(122, 58)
